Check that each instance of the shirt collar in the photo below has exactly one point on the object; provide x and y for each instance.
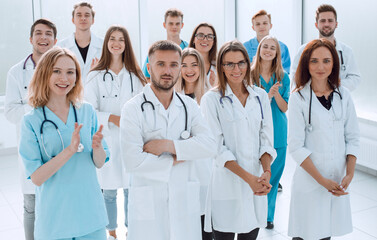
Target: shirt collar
(150, 96)
(250, 89)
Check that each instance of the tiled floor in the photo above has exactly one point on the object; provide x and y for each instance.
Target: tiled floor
(363, 200)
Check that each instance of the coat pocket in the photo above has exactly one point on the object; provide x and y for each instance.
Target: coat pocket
(141, 203)
(225, 185)
(193, 198)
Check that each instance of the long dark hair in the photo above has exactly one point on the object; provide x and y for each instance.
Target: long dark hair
(303, 76)
(213, 51)
(128, 56)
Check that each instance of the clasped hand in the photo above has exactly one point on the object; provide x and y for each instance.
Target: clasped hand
(260, 186)
(335, 188)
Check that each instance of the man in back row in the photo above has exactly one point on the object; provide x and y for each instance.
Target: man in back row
(173, 24)
(326, 23)
(42, 38)
(83, 43)
(261, 24)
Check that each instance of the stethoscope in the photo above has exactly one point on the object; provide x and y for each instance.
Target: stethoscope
(309, 127)
(184, 44)
(24, 69)
(185, 134)
(80, 147)
(222, 97)
(109, 94)
(342, 65)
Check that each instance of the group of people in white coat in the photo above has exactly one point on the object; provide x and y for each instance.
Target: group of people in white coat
(187, 172)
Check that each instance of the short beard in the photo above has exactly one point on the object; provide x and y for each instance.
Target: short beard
(327, 34)
(160, 87)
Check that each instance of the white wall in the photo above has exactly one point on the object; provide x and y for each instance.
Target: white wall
(285, 18)
(15, 34)
(357, 27)
(194, 12)
(107, 13)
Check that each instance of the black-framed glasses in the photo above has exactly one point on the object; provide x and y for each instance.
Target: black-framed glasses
(231, 65)
(202, 36)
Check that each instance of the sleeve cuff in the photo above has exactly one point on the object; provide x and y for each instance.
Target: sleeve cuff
(300, 155)
(224, 157)
(268, 150)
(353, 150)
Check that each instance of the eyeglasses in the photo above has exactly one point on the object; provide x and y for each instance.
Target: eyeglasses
(231, 65)
(201, 36)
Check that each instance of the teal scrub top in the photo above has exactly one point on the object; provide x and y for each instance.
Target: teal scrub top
(70, 203)
(183, 45)
(278, 117)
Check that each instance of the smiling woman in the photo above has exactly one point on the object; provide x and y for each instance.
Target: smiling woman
(59, 114)
(116, 79)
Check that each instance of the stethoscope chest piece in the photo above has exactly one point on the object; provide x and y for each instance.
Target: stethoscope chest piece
(309, 128)
(80, 148)
(185, 134)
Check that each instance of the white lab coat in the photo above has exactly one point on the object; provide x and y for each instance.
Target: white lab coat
(232, 205)
(16, 105)
(108, 97)
(207, 83)
(349, 73)
(314, 212)
(94, 51)
(203, 169)
(163, 199)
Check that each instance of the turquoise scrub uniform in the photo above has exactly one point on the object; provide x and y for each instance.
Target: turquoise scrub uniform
(70, 203)
(183, 45)
(252, 47)
(280, 140)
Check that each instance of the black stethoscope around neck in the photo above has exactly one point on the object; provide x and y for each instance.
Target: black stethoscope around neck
(112, 83)
(30, 57)
(185, 134)
(309, 127)
(80, 147)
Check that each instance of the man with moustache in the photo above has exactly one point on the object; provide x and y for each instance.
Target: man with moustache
(162, 133)
(326, 23)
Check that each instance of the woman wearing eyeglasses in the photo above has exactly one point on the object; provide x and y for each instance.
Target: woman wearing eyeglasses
(239, 115)
(204, 40)
(267, 72)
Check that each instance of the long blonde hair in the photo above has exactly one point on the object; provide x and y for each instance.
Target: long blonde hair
(39, 90)
(276, 66)
(232, 46)
(201, 83)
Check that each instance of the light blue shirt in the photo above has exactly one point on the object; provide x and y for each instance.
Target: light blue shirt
(183, 45)
(252, 47)
(69, 203)
(278, 117)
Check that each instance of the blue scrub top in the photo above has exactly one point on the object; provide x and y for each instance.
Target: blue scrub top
(183, 45)
(278, 117)
(252, 47)
(70, 203)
